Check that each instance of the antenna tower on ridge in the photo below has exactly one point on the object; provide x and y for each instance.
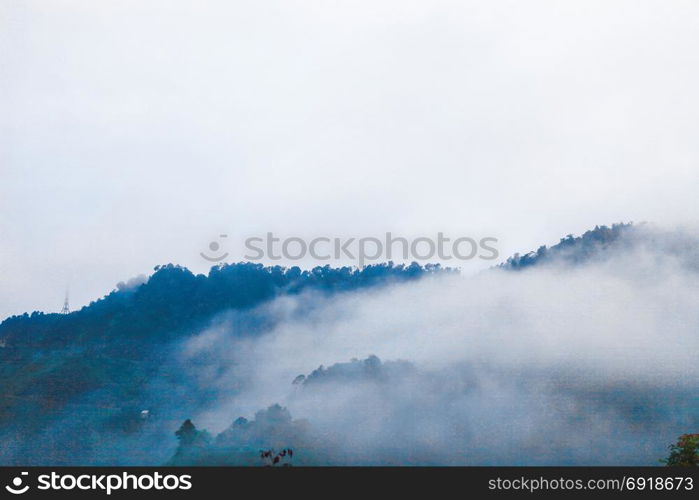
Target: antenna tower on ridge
(66, 308)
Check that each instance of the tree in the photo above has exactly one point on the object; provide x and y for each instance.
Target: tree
(189, 436)
(283, 458)
(684, 452)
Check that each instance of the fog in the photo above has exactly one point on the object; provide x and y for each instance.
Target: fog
(592, 364)
(587, 357)
(134, 133)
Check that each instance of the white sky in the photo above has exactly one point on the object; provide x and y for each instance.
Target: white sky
(132, 133)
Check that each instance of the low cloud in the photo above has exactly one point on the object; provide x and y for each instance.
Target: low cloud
(593, 363)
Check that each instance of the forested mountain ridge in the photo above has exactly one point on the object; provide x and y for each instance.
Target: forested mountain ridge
(571, 249)
(113, 373)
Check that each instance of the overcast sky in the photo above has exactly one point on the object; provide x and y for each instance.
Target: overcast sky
(133, 133)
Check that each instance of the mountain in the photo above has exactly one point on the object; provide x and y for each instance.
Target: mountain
(93, 365)
(571, 249)
(112, 383)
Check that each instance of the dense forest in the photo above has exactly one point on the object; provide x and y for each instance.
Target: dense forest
(95, 364)
(124, 379)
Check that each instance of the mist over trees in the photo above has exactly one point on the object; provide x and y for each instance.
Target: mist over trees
(181, 368)
(571, 249)
(94, 364)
